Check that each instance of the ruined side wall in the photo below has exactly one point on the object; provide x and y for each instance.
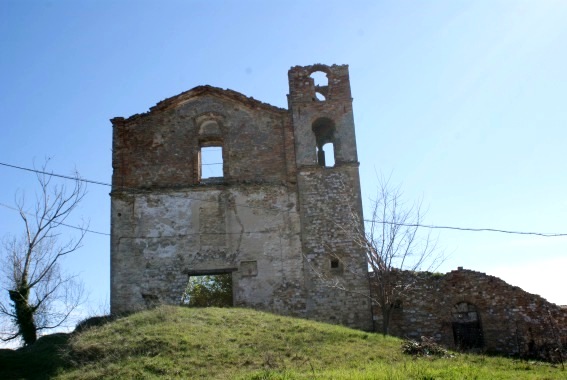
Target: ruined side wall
(510, 317)
(161, 237)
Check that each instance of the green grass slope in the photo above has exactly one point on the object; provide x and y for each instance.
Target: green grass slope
(213, 343)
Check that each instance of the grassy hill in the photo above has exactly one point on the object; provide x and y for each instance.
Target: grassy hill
(213, 343)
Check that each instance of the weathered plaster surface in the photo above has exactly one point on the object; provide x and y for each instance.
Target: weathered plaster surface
(165, 236)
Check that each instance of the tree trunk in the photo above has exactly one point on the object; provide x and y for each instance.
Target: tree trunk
(24, 314)
(386, 312)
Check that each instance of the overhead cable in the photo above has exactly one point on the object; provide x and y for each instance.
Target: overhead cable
(467, 229)
(63, 224)
(277, 209)
(55, 175)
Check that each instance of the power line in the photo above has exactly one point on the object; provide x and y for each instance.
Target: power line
(277, 209)
(63, 224)
(468, 229)
(56, 175)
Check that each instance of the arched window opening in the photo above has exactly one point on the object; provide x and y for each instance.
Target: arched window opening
(320, 78)
(467, 330)
(210, 161)
(320, 97)
(321, 85)
(324, 130)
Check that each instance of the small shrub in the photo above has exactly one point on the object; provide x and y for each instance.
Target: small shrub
(427, 347)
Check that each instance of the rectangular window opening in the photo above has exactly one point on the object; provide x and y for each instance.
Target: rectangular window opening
(329, 150)
(326, 155)
(334, 263)
(208, 290)
(211, 162)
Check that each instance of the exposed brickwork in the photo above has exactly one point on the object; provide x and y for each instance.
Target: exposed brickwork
(512, 321)
(337, 109)
(160, 149)
(273, 207)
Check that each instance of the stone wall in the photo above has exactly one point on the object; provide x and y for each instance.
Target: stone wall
(327, 220)
(270, 219)
(509, 320)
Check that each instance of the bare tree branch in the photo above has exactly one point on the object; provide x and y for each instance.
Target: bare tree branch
(41, 296)
(394, 243)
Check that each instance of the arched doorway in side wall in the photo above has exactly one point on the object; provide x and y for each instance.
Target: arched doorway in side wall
(467, 328)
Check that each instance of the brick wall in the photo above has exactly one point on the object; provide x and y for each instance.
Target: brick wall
(160, 149)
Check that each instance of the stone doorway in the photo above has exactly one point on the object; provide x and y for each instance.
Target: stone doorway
(467, 329)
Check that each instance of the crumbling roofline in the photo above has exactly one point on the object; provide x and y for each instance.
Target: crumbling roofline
(176, 100)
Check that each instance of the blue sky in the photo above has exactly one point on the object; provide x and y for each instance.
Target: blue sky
(462, 103)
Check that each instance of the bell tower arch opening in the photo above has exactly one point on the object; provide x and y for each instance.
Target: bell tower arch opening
(324, 130)
(320, 85)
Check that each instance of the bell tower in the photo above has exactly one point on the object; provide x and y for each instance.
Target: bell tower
(330, 204)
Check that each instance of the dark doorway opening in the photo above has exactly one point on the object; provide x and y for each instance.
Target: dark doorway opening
(208, 290)
(467, 329)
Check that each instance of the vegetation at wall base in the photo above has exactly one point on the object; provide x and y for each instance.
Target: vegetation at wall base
(230, 343)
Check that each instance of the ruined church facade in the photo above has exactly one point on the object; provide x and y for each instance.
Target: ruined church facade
(269, 214)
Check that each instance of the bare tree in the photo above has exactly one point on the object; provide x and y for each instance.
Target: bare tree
(395, 244)
(41, 296)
